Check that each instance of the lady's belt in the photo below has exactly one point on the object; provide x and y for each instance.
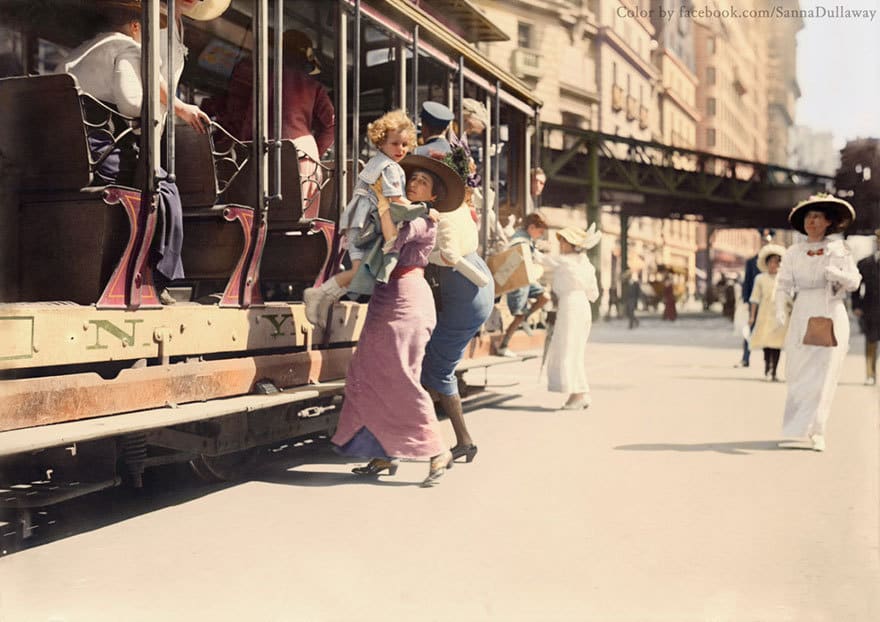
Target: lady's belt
(402, 271)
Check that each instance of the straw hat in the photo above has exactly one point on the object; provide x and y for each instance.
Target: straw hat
(579, 238)
(449, 178)
(764, 253)
(838, 210)
(205, 10)
(475, 109)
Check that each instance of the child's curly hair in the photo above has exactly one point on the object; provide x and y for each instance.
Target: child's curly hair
(396, 120)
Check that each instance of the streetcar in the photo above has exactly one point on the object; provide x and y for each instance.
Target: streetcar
(99, 380)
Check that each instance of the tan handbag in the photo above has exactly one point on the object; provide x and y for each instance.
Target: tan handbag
(820, 332)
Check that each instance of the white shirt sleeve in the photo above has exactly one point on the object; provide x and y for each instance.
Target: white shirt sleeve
(128, 92)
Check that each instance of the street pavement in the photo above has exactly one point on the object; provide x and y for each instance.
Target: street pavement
(667, 500)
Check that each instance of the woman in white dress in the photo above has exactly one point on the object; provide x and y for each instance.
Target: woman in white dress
(575, 286)
(818, 273)
(767, 334)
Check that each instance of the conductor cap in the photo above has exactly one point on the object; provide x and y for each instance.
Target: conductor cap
(436, 114)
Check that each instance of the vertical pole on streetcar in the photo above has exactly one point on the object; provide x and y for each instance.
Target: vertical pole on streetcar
(460, 95)
(150, 130)
(487, 173)
(356, 87)
(261, 108)
(341, 106)
(536, 154)
(278, 45)
(171, 83)
(415, 76)
(497, 170)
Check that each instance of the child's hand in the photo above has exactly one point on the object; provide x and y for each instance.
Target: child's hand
(434, 214)
(383, 204)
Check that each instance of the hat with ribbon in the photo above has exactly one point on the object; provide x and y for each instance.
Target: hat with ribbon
(454, 184)
(205, 10)
(580, 239)
(840, 212)
(766, 252)
(475, 109)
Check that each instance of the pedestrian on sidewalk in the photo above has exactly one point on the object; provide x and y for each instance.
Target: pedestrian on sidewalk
(766, 333)
(632, 291)
(748, 284)
(820, 271)
(669, 312)
(575, 287)
(866, 307)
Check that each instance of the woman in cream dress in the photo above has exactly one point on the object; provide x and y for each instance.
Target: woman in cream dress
(818, 273)
(767, 334)
(575, 287)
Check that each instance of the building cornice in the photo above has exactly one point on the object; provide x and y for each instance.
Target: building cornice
(689, 110)
(690, 75)
(614, 40)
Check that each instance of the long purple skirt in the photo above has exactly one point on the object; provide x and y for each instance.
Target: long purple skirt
(387, 412)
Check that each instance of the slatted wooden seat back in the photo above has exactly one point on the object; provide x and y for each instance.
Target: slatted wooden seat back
(289, 212)
(195, 172)
(203, 170)
(42, 132)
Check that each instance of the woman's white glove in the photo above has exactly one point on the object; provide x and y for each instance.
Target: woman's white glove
(835, 274)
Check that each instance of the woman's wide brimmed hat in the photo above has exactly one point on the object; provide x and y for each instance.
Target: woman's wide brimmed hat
(207, 9)
(579, 238)
(840, 211)
(453, 182)
(764, 253)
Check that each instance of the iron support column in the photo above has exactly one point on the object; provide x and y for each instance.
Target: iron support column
(593, 210)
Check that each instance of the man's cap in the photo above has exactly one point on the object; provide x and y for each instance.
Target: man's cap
(436, 114)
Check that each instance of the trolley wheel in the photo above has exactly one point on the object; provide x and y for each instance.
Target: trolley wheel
(228, 467)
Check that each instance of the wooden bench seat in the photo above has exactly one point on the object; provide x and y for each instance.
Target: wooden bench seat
(73, 242)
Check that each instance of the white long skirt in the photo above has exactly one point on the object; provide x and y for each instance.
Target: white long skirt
(812, 372)
(566, 371)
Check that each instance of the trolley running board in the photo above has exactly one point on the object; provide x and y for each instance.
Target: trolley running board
(32, 439)
(491, 361)
(43, 493)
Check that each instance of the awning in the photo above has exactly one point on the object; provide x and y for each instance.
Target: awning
(432, 30)
(467, 18)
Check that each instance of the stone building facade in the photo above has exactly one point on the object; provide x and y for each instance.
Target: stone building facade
(623, 68)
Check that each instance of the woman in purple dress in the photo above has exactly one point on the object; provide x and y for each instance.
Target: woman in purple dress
(387, 414)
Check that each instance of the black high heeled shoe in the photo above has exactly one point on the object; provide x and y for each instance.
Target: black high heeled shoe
(468, 451)
(439, 466)
(376, 466)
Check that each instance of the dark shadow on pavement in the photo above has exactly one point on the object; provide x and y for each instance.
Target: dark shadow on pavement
(164, 487)
(282, 469)
(737, 448)
(730, 378)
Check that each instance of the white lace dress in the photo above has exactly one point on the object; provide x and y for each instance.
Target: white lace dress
(818, 275)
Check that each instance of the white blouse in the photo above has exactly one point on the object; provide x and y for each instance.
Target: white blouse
(108, 67)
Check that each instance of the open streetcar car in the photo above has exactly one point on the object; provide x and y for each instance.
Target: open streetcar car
(98, 380)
